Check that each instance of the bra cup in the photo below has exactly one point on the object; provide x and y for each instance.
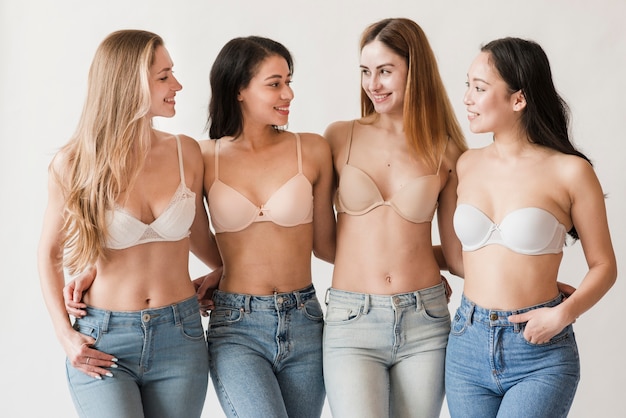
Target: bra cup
(176, 223)
(472, 226)
(357, 192)
(292, 203)
(123, 229)
(528, 229)
(229, 209)
(417, 201)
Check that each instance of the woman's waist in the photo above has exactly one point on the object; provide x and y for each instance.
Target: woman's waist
(132, 292)
(475, 311)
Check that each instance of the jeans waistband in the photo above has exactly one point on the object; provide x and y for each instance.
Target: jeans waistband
(277, 301)
(495, 317)
(398, 300)
(172, 314)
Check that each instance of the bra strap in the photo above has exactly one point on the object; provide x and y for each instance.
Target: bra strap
(299, 147)
(442, 154)
(349, 142)
(180, 160)
(217, 160)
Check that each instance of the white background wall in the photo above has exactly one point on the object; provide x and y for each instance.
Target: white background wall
(45, 51)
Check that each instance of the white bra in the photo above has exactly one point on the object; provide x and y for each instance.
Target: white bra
(529, 231)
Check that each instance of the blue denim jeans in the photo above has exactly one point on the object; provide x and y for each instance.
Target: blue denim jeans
(384, 355)
(492, 371)
(162, 363)
(266, 354)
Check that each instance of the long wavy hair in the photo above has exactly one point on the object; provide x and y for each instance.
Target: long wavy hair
(105, 154)
(429, 118)
(525, 67)
(234, 67)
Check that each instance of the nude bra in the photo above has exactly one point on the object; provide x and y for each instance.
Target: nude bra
(529, 231)
(172, 225)
(357, 193)
(290, 205)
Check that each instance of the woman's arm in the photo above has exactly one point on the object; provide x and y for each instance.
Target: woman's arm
(49, 259)
(202, 241)
(324, 223)
(449, 255)
(588, 214)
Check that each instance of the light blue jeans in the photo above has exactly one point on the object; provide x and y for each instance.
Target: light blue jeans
(492, 371)
(162, 363)
(384, 355)
(266, 354)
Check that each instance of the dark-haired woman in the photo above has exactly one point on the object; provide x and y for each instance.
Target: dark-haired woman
(511, 351)
(269, 196)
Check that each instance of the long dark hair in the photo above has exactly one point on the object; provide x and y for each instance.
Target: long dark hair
(234, 67)
(524, 66)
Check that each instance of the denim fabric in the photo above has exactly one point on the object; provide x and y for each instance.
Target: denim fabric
(492, 371)
(384, 355)
(266, 354)
(162, 368)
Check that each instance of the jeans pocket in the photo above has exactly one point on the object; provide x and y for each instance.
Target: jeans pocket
(338, 315)
(191, 327)
(312, 310)
(88, 328)
(459, 324)
(221, 317)
(564, 335)
(436, 309)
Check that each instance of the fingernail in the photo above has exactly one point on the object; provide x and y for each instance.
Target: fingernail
(113, 366)
(114, 359)
(109, 374)
(98, 377)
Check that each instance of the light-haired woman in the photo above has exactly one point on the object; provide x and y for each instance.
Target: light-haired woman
(387, 320)
(124, 198)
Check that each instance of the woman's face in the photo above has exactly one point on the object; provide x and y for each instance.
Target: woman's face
(163, 84)
(267, 97)
(491, 107)
(383, 77)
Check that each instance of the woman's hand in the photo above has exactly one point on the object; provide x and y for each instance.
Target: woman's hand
(541, 324)
(74, 290)
(81, 355)
(205, 286)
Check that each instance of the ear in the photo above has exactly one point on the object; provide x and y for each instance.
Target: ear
(239, 97)
(519, 101)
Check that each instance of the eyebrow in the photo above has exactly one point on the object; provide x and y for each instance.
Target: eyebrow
(380, 66)
(276, 76)
(480, 80)
(164, 70)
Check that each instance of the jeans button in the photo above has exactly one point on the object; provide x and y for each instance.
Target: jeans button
(279, 300)
(396, 300)
(493, 316)
(145, 317)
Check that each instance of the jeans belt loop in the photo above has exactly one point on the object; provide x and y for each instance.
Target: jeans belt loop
(176, 312)
(327, 296)
(246, 304)
(105, 321)
(366, 304)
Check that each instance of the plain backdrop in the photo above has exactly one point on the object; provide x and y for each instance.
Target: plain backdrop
(46, 48)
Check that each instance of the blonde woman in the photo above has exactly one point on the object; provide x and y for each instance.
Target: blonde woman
(124, 198)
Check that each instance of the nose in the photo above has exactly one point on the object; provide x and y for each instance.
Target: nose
(374, 82)
(175, 85)
(467, 97)
(287, 93)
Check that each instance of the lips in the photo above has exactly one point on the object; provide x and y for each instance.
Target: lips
(283, 110)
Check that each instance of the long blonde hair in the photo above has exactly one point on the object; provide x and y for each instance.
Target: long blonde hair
(105, 154)
(429, 118)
